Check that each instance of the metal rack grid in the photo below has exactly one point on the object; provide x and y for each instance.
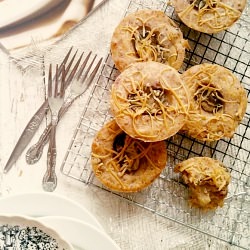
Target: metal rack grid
(167, 196)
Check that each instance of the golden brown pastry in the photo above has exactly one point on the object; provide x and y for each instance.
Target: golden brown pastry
(207, 180)
(149, 101)
(209, 16)
(218, 102)
(125, 164)
(147, 35)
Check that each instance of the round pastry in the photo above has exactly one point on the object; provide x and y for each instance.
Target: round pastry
(147, 35)
(149, 101)
(209, 16)
(125, 164)
(207, 180)
(218, 102)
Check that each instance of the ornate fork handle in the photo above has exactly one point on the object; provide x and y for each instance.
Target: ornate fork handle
(50, 179)
(35, 152)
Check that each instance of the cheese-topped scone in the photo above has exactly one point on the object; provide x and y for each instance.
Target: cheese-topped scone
(218, 102)
(207, 179)
(147, 35)
(150, 101)
(123, 163)
(209, 16)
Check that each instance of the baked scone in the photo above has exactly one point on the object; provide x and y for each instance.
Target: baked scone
(207, 180)
(125, 164)
(147, 35)
(209, 16)
(218, 102)
(149, 101)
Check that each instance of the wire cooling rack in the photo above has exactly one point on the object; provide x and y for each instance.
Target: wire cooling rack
(167, 196)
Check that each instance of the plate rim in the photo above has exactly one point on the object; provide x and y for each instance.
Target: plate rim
(70, 202)
(78, 223)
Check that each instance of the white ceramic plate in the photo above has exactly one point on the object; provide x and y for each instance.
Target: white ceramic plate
(45, 204)
(12, 12)
(22, 232)
(81, 235)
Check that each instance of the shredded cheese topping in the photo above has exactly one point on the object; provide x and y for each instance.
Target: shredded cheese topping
(152, 44)
(209, 97)
(126, 155)
(208, 105)
(208, 180)
(199, 174)
(160, 102)
(212, 13)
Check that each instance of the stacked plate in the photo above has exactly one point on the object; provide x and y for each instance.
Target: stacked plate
(72, 222)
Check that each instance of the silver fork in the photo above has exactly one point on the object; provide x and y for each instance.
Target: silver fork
(34, 154)
(55, 101)
(79, 85)
(34, 122)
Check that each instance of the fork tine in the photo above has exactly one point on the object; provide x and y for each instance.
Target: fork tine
(83, 66)
(56, 82)
(65, 60)
(84, 76)
(62, 89)
(50, 81)
(70, 63)
(72, 73)
(93, 73)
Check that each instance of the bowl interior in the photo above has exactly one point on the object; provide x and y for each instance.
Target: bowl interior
(25, 233)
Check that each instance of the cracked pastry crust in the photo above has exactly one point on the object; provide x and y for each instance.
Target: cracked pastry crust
(207, 179)
(125, 164)
(147, 35)
(209, 16)
(149, 101)
(218, 102)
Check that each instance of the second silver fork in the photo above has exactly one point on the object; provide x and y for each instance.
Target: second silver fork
(55, 103)
(79, 85)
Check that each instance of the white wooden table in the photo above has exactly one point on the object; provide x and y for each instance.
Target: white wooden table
(22, 92)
